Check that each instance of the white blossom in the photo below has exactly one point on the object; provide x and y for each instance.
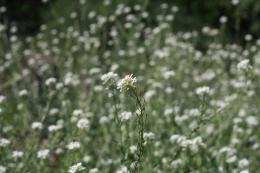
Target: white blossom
(123, 169)
(3, 169)
(125, 116)
(50, 81)
(244, 65)
(76, 168)
(37, 125)
(203, 90)
(73, 145)
(4, 142)
(110, 76)
(83, 123)
(127, 82)
(43, 154)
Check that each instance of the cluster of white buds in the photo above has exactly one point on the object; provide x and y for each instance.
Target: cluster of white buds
(204, 90)
(43, 154)
(244, 65)
(76, 168)
(126, 83)
(109, 77)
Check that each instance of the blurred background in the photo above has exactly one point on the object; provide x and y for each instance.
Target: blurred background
(193, 15)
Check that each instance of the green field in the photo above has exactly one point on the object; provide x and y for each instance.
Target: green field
(114, 88)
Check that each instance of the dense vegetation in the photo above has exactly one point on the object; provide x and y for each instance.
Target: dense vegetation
(192, 14)
(111, 87)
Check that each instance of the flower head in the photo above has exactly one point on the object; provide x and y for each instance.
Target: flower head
(2, 169)
(125, 116)
(110, 76)
(122, 169)
(43, 154)
(244, 65)
(127, 82)
(73, 145)
(76, 168)
(203, 90)
(83, 123)
(17, 154)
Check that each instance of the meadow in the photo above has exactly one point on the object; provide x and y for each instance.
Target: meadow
(118, 91)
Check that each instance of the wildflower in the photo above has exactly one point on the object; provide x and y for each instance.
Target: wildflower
(149, 94)
(127, 82)
(71, 79)
(234, 2)
(104, 120)
(231, 159)
(244, 171)
(23, 93)
(54, 111)
(133, 149)
(203, 90)
(87, 158)
(251, 121)
(2, 9)
(168, 111)
(122, 169)
(37, 125)
(148, 136)
(4, 142)
(223, 19)
(55, 127)
(50, 81)
(2, 98)
(76, 168)
(17, 154)
(244, 65)
(73, 145)
(168, 74)
(243, 163)
(248, 37)
(83, 123)
(77, 112)
(93, 170)
(176, 163)
(59, 151)
(110, 76)
(2, 169)
(43, 154)
(125, 116)
(94, 71)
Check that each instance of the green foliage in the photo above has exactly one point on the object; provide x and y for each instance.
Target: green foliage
(69, 103)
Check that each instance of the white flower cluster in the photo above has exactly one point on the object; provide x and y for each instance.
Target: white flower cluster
(244, 65)
(55, 127)
(123, 169)
(2, 169)
(204, 90)
(127, 82)
(148, 136)
(4, 142)
(73, 145)
(110, 76)
(23, 92)
(17, 154)
(76, 168)
(43, 154)
(185, 143)
(71, 79)
(83, 123)
(37, 125)
(125, 116)
(50, 81)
